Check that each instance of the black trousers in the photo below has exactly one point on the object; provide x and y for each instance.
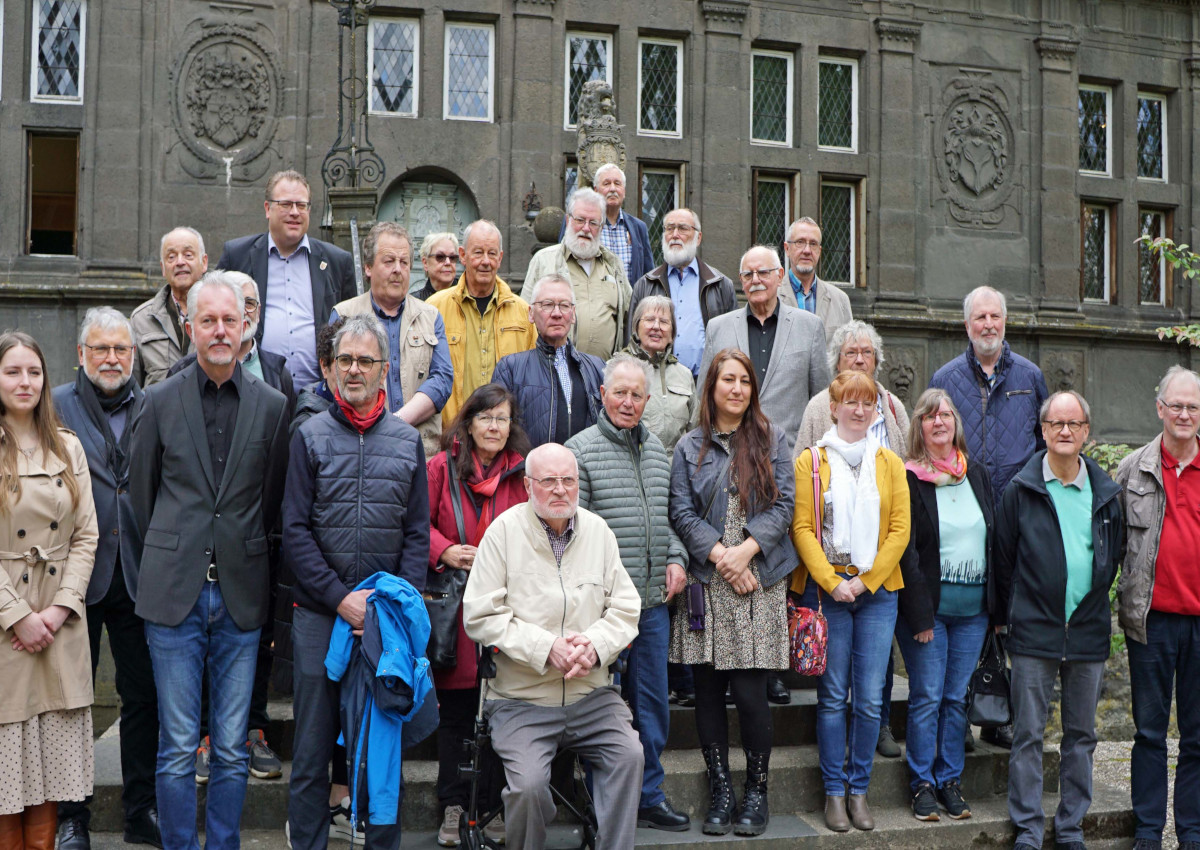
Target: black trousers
(139, 699)
(749, 690)
(456, 709)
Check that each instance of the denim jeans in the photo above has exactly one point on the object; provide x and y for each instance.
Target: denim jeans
(938, 675)
(178, 654)
(645, 687)
(860, 641)
(1170, 659)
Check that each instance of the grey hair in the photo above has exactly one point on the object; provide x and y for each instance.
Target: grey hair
(1083, 405)
(384, 228)
(105, 319)
(162, 243)
(534, 458)
(608, 166)
(805, 219)
(692, 213)
(969, 301)
(431, 239)
(622, 359)
(587, 196)
(470, 228)
(853, 329)
(1174, 372)
(768, 248)
(657, 303)
(364, 325)
(220, 278)
(550, 278)
(241, 279)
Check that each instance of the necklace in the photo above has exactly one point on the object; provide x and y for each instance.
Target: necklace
(28, 452)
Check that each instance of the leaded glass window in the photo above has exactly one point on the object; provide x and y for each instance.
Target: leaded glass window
(570, 180)
(1152, 271)
(771, 98)
(1095, 132)
(392, 48)
(58, 30)
(469, 68)
(1152, 136)
(837, 233)
(587, 60)
(659, 84)
(660, 195)
(837, 104)
(771, 211)
(1096, 270)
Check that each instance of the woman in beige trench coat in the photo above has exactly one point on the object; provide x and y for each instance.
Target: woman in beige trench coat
(47, 548)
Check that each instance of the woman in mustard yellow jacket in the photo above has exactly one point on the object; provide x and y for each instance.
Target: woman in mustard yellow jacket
(854, 563)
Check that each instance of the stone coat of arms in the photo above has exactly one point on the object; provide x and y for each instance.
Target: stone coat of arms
(975, 147)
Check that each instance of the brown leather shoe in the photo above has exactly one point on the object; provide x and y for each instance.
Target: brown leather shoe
(860, 815)
(40, 823)
(835, 814)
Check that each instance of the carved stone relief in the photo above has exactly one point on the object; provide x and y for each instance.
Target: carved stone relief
(599, 133)
(1063, 370)
(903, 369)
(975, 149)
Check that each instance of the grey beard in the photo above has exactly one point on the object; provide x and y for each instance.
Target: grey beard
(679, 257)
(582, 250)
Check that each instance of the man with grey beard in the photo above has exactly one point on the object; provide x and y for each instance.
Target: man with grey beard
(699, 292)
(597, 275)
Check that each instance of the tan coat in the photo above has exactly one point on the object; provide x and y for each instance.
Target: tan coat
(160, 342)
(46, 559)
(673, 397)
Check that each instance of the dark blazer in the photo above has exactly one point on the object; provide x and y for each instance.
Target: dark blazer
(642, 260)
(330, 285)
(183, 514)
(922, 562)
(275, 373)
(717, 295)
(114, 508)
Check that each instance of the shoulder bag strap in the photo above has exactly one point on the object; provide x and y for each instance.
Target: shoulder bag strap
(817, 505)
(456, 498)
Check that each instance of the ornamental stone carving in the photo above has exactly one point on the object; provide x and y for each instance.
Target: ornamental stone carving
(599, 135)
(901, 370)
(975, 147)
(1063, 370)
(226, 97)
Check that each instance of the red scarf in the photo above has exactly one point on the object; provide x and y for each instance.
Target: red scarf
(486, 487)
(362, 423)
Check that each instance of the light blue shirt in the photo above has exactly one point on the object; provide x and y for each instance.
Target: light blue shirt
(962, 549)
(289, 326)
(806, 302)
(252, 362)
(689, 333)
(1073, 505)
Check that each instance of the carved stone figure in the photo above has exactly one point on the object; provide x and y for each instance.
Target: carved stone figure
(901, 373)
(975, 144)
(1063, 370)
(599, 133)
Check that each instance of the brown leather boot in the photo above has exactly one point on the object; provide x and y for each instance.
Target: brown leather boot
(835, 814)
(860, 815)
(12, 834)
(40, 825)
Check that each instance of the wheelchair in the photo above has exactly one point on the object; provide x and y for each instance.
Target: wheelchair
(566, 770)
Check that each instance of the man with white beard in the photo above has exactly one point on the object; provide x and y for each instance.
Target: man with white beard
(699, 292)
(597, 276)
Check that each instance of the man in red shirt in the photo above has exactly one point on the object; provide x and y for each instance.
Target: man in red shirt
(1160, 609)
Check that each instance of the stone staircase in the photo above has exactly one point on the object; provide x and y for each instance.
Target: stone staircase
(796, 793)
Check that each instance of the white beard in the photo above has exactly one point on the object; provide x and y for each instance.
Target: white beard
(583, 250)
(680, 257)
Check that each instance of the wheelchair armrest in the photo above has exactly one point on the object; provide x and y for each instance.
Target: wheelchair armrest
(487, 662)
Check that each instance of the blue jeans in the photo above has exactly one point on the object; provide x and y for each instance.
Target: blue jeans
(860, 641)
(1170, 659)
(178, 654)
(938, 675)
(645, 686)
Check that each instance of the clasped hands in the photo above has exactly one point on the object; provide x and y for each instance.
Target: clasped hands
(34, 632)
(732, 563)
(573, 655)
(849, 590)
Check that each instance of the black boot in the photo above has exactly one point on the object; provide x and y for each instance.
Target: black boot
(752, 817)
(719, 819)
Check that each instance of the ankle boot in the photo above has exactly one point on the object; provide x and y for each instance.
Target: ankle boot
(860, 814)
(12, 834)
(752, 816)
(722, 802)
(40, 825)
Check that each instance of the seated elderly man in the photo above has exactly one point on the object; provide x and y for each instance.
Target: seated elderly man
(552, 687)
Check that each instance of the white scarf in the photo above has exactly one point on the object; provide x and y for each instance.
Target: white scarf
(855, 503)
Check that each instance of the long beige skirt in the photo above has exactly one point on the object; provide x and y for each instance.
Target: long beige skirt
(47, 757)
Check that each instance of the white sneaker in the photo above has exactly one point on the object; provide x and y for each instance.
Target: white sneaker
(448, 832)
(339, 822)
(495, 829)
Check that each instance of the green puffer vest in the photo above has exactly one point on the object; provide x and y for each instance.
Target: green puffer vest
(625, 478)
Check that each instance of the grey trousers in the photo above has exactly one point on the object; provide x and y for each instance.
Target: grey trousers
(1032, 686)
(599, 728)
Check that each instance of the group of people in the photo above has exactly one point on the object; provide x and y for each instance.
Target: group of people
(263, 467)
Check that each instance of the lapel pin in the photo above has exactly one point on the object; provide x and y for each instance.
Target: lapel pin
(324, 265)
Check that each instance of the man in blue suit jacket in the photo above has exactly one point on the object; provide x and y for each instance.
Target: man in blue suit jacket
(625, 235)
(100, 406)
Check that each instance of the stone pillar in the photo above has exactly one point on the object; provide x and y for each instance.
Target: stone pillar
(725, 177)
(1057, 209)
(900, 153)
(345, 203)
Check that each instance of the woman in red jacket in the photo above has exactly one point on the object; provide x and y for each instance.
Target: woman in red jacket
(482, 466)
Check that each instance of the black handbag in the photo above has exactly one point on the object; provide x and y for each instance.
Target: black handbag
(989, 703)
(444, 592)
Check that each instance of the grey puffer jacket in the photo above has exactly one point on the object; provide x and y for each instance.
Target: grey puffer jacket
(1145, 503)
(625, 478)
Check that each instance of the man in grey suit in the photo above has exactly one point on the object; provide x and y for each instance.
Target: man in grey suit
(803, 288)
(207, 465)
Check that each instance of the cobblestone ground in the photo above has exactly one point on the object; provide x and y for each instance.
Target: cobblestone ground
(1112, 768)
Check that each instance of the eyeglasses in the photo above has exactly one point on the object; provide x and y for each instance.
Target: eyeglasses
(551, 482)
(685, 229)
(563, 307)
(251, 305)
(800, 243)
(1057, 425)
(1176, 409)
(589, 223)
(762, 273)
(855, 353)
(299, 206)
(498, 421)
(440, 258)
(857, 405)
(630, 395)
(655, 321)
(938, 416)
(100, 352)
(365, 364)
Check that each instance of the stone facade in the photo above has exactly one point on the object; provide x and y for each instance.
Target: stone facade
(964, 161)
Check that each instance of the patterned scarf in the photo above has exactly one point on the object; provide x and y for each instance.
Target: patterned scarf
(940, 472)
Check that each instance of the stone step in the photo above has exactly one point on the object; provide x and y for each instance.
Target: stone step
(795, 784)
(1109, 825)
